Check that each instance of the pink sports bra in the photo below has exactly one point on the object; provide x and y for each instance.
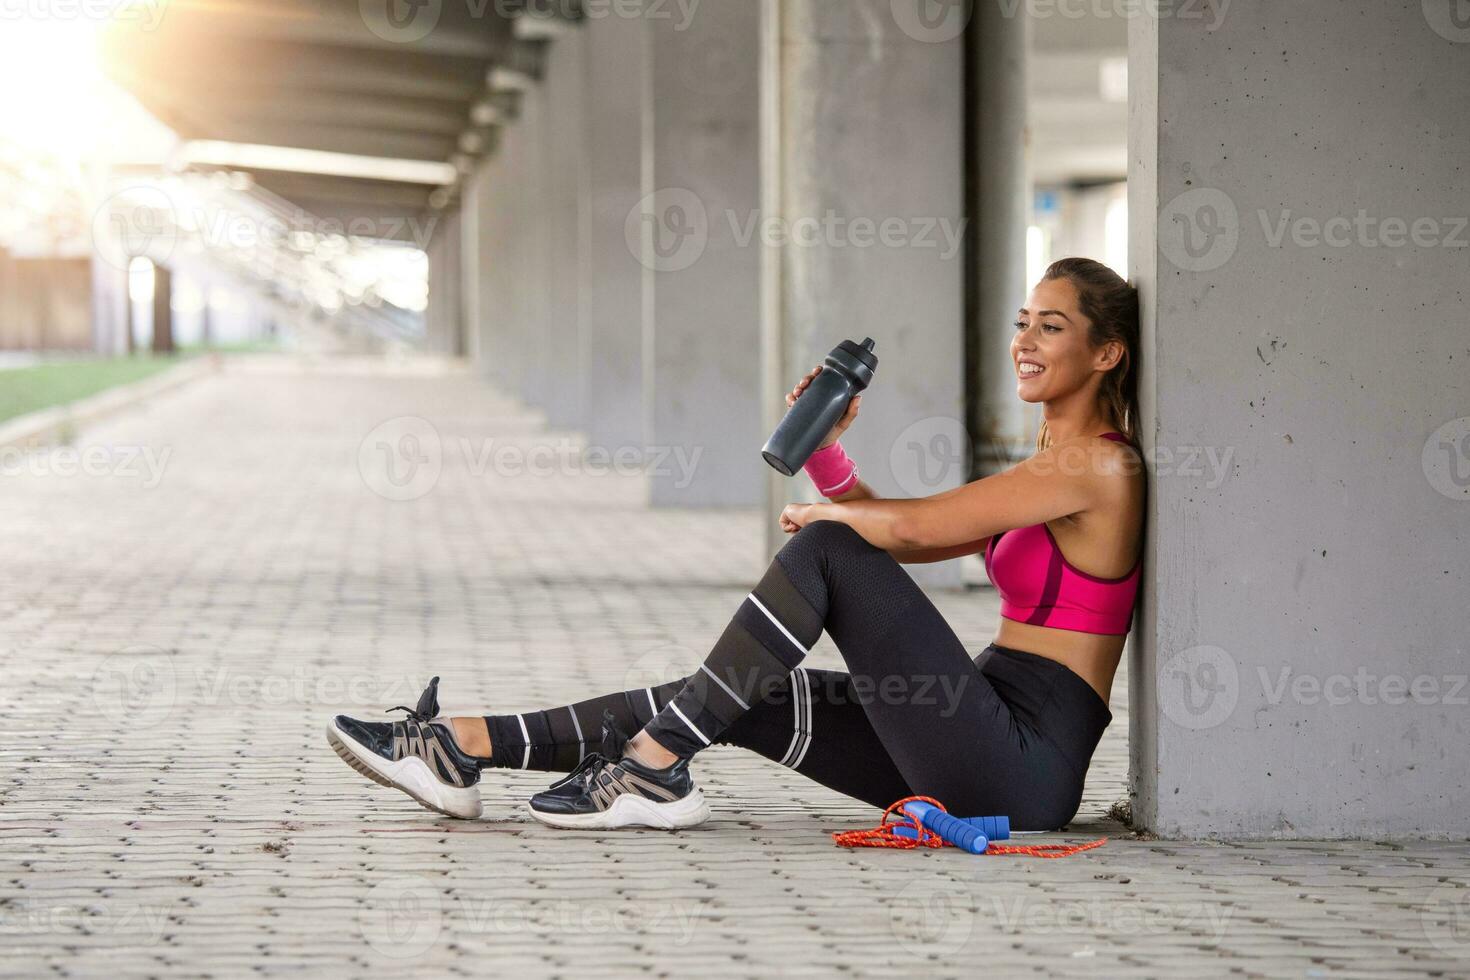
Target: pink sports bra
(1038, 586)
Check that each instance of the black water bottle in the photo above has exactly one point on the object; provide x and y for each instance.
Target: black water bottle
(845, 373)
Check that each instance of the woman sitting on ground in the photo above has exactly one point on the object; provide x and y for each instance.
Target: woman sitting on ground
(1010, 731)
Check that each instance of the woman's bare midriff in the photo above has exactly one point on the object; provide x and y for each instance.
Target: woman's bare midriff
(1091, 656)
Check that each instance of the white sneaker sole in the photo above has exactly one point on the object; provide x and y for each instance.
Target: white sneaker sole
(630, 810)
(411, 775)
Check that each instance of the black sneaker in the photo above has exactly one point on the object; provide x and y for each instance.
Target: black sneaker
(607, 791)
(417, 755)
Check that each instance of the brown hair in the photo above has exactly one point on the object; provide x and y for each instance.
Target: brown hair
(1111, 306)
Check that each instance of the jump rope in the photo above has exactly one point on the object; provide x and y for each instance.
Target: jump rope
(922, 821)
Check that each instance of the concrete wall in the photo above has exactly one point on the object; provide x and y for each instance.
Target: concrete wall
(1300, 659)
(865, 192)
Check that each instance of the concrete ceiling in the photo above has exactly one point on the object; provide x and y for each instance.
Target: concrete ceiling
(332, 75)
(328, 75)
(1077, 135)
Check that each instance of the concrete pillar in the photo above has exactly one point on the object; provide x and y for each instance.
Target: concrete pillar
(1299, 658)
(111, 307)
(471, 269)
(1002, 427)
(562, 161)
(163, 310)
(528, 241)
(611, 277)
(444, 317)
(702, 278)
(863, 178)
(506, 251)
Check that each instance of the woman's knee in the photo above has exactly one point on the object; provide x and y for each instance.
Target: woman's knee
(824, 537)
(820, 556)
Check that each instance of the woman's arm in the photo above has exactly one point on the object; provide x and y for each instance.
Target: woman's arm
(1062, 480)
(923, 556)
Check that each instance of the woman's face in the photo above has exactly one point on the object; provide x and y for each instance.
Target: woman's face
(1050, 350)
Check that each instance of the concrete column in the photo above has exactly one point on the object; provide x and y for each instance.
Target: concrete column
(1300, 654)
(111, 309)
(702, 279)
(471, 270)
(163, 310)
(444, 317)
(562, 159)
(610, 275)
(505, 235)
(528, 241)
(1002, 427)
(863, 181)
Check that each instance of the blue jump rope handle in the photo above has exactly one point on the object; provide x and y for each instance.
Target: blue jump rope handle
(994, 828)
(953, 830)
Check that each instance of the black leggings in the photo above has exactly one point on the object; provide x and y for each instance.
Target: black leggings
(1005, 733)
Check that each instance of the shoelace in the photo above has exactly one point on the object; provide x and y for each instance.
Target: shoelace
(426, 709)
(591, 764)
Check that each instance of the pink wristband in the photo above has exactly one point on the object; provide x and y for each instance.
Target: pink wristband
(831, 470)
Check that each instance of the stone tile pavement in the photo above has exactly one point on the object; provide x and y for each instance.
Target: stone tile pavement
(195, 588)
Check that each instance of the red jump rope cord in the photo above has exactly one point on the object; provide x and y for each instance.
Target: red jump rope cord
(883, 836)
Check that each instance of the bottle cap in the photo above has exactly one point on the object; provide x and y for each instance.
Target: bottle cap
(859, 359)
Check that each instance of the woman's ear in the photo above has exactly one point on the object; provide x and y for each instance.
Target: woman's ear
(1110, 356)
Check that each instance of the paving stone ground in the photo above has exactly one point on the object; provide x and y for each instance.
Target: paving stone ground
(178, 627)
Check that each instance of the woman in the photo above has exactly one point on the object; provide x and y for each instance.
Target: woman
(1010, 732)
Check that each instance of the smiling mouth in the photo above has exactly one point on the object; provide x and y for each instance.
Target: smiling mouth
(1029, 370)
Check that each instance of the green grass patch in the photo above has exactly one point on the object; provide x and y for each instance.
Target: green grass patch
(30, 389)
